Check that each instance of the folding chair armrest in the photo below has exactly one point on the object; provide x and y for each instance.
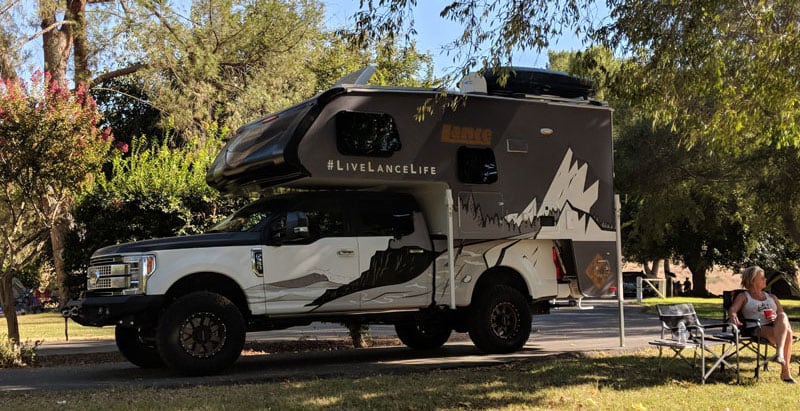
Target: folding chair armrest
(747, 322)
(699, 329)
(718, 325)
(722, 326)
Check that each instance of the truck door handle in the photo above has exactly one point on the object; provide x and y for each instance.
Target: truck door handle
(345, 253)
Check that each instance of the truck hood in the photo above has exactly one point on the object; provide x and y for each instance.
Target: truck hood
(191, 241)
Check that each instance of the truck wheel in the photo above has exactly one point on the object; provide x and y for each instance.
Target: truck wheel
(136, 349)
(423, 336)
(500, 320)
(201, 333)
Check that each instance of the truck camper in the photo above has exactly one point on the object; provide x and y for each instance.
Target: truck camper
(470, 220)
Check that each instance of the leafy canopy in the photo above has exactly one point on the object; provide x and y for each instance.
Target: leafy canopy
(50, 146)
(722, 72)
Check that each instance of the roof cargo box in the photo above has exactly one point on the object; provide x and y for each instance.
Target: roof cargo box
(536, 81)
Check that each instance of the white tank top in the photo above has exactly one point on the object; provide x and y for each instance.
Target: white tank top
(754, 309)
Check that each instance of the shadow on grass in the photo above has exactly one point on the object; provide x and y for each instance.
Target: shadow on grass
(570, 381)
(530, 383)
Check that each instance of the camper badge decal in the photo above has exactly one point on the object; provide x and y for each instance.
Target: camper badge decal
(598, 271)
(466, 135)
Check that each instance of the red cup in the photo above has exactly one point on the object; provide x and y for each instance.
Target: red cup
(768, 314)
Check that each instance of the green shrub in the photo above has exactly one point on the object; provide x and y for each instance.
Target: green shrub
(16, 355)
(156, 191)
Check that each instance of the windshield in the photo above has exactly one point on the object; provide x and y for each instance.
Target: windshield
(252, 217)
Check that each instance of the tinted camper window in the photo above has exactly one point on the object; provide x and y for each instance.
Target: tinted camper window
(366, 134)
(476, 165)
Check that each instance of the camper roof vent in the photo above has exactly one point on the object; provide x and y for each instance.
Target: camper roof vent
(528, 81)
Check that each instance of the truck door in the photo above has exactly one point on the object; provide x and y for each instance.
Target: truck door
(395, 253)
(310, 255)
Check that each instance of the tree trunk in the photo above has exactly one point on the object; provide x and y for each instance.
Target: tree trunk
(56, 44)
(7, 301)
(790, 222)
(76, 11)
(698, 266)
(7, 71)
(648, 271)
(57, 233)
(359, 333)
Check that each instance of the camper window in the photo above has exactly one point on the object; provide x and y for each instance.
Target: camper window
(476, 165)
(366, 134)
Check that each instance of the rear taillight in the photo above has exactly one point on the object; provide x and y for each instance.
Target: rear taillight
(557, 262)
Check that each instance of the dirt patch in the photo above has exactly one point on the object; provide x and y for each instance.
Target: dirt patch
(717, 280)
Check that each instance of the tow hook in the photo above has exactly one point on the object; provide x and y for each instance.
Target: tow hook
(69, 312)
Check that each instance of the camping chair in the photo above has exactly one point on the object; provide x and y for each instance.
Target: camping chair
(671, 315)
(751, 342)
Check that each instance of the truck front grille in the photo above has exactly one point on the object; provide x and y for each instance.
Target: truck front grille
(101, 284)
(108, 273)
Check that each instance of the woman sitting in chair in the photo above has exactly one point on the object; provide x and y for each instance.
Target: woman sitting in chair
(757, 304)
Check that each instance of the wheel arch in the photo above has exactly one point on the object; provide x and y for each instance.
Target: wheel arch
(211, 282)
(501, 275)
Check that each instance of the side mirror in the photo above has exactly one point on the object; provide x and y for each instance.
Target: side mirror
(296, 227)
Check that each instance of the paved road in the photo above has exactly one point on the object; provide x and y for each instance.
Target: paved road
(564, 330)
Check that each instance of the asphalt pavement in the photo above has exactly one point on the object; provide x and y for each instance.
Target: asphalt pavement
(564, 330)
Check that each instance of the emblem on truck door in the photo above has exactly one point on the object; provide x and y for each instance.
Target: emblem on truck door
(257, 261)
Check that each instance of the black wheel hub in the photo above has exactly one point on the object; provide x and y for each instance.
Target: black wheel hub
(505, 320)
(202, 335)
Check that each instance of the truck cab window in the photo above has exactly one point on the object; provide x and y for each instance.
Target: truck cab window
(321, 218)
(384, 218)
(326, 223)
(252, 217)
(366, 134)
(476, 165)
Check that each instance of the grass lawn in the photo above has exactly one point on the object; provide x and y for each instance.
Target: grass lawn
(601, 381)
(598, 382)
(711, 308)
(50, 327)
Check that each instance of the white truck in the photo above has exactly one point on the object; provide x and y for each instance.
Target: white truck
(470, 221)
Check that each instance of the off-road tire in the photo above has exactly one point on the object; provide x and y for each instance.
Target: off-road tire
(423, 336)
(136, 348)
(200, 333)
(500, 320)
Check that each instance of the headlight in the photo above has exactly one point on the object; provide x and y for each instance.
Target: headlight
(140, 268)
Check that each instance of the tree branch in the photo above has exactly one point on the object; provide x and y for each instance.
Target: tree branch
(130, 96)
(42, 32)
(119, 73)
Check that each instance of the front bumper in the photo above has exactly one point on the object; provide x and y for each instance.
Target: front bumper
(128, 310)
